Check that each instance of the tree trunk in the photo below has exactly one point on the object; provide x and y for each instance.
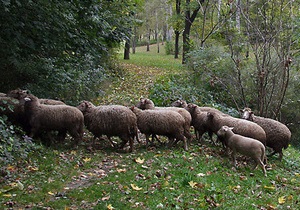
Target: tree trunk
(177, 33)
(126, 50)
(189, 19)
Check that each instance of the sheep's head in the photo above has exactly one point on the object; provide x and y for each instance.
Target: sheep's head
(224, 130)
(85, 106)
(18, 94)
(179, 103)
(247, 114)
(191, 108)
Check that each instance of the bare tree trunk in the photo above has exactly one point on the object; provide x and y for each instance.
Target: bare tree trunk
(177, 33)
(189, 19)
(126, 50)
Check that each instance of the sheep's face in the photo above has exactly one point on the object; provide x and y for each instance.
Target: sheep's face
(247, 114)
(179, 103)
(191, 108)
(85, 106)
(145, 104)
(18, 94)
(224, 130)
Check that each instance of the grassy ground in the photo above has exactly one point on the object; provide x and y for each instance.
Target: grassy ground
(155, 178)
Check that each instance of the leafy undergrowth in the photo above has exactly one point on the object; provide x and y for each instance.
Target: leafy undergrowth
(151, 178)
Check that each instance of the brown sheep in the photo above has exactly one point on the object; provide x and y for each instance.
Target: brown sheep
(214, 121)
(278, 134)
(161, 122)
(110, 120)
(61, 118)
(244, 145)
(146, 104)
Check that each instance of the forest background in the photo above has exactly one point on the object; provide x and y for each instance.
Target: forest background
(234, 54)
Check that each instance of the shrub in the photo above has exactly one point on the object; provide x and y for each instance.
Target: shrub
(13, 146)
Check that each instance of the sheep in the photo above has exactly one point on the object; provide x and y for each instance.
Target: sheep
(244, 145)
(50, 101)
(215, 121)
(278, 134)
(61, 118)
(21, 94)
(179, 103)
(110, 120)
(2, 94)
(161, 122)
(183, 104)
(145, 103)
(198, 117)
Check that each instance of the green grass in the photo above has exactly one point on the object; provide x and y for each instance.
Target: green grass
(155, 60)
(202, 178)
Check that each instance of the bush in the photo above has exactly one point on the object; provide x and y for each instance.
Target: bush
(13, 146)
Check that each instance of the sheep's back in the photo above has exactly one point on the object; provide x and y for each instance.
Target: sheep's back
(160, 122)
(245, 145)
(110, 120)
(244, 128)
(278, 134)
(55, 117)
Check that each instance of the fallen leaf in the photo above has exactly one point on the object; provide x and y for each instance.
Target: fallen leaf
(269, 187)
(51, 193)
(20, 185)
(193, 184)
(106, 198)
(135, 187)
(121, 170)
(139, 160)
(86, 159)
(110, 207)
(200, 175)
(31, 168)
(281, 200)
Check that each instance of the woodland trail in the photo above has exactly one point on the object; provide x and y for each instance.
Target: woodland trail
(133, 83)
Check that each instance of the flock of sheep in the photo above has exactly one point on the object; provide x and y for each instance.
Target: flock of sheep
(249, 136)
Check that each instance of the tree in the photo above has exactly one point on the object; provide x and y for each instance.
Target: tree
(56, 46)
(191, 12)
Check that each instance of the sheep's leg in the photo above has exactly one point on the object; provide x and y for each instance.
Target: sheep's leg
(155, 137)
(211, 137)
(233, 155)
(61, 136)
(280, 155)
(147, 140)
(131, 144)
(185, 144)
(171, 142)
(262, 167)
(113, 144)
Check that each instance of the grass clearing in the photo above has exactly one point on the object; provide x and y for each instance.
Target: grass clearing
(153, 178)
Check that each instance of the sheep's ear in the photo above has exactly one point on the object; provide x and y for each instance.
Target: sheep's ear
(230, 128)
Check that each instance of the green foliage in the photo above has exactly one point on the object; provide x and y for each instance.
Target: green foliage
(169, 48)
(50, 46)
(13, 147)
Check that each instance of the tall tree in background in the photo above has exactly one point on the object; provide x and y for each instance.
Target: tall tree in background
(177, 27)
(191, 11)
